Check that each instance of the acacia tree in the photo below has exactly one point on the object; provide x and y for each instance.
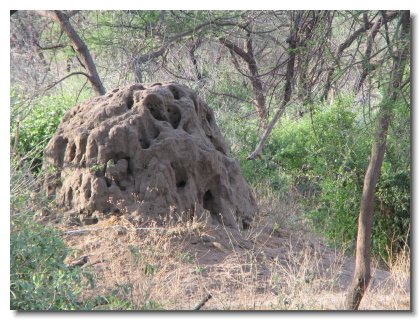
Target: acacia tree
(163, 43)
(367, 66)
(400, 57)
(301, 33)
(247, 54)
(320, 63)
(80, 47)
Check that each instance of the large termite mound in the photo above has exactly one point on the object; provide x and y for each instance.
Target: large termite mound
(148, 151)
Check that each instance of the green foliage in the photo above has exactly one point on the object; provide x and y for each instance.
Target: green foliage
(392, 220)
(336, 212)
(39, 278)
(152, 305)
(322, 152)
(113, 300)
(187, 257)
(97, 167)
(109, 302)
(149, 269)
(324, 155)
(331, 153)
(200, 269)
(37, 125)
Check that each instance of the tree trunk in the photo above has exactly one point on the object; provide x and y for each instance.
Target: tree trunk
(83, 50)
(349, 41)
(293, 42)
(257, 86)
(367, 66)
(80, 48)
(194, 46)
(362, 273)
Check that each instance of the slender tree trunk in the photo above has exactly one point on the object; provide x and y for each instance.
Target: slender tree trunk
(82, 50)
(194, 46)
(367, 66)
(362, 274)
(293, 42)
(80, 47)
(257, 86)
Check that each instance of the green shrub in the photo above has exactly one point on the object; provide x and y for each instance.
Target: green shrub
(39, 278)
(336, 151)
(336, 212)
(391, 228)
(37, 125)
(324, 155)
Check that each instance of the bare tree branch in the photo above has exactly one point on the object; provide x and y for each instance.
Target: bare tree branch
(67, 76)
(293, 42)
(79, 46)
(367, 66)
(159, 52)
(257, 86)
(57, 46)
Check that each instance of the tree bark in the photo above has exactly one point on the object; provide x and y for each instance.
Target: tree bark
(83, 51)
(139, 61)
(367, 66)
(194, 46)
(257, 86)
(362, 273)
(343, 46)
(80, 47)
(293, 42)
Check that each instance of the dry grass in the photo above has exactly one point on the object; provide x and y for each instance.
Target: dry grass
(394, 292)
(279, 209)
(174, 269)
(267, 267)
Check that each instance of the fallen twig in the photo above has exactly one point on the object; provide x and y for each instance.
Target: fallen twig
(203, 302)
(93, 263)
(79, 262)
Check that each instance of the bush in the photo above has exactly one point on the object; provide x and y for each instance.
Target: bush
(36, 125)
(39, 278)
(334, 157)
(324, 155)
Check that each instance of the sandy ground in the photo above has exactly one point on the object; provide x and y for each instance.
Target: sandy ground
(261, 268)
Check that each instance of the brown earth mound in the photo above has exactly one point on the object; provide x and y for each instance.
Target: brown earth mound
(147, 151)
